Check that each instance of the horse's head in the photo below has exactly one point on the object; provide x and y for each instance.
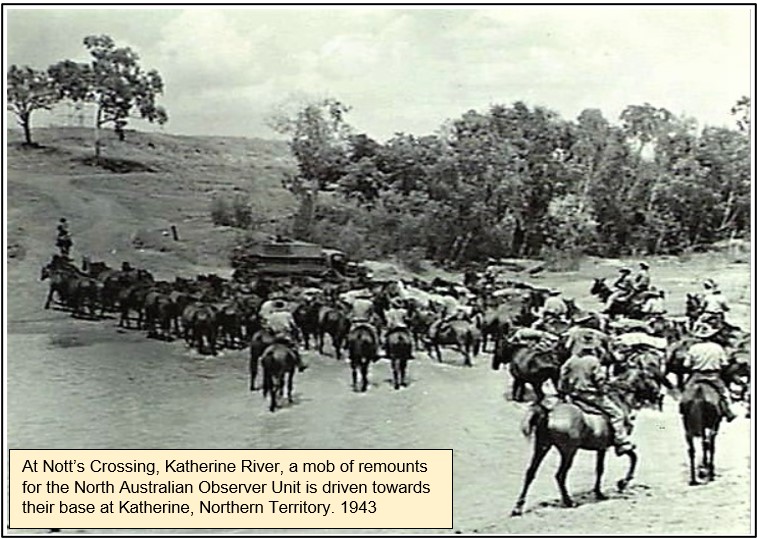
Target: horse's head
(694, 305)
(45, 273)
(598, 287)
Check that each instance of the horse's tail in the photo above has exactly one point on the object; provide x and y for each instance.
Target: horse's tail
(535, 416)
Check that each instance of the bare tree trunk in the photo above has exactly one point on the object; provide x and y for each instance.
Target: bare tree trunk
(26, 121)
(98, 120)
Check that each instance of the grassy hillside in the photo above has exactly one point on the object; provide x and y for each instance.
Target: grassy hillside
(122, 209)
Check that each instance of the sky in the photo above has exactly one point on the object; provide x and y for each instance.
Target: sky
(226, 71)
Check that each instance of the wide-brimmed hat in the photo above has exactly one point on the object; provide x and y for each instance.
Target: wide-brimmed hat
(644, 265)
(624, 269)
(709, 283)
(703, 330)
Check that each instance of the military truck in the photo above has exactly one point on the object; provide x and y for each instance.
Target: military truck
(293, 259)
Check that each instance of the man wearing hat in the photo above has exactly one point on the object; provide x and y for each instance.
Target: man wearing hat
(277, 319)
(63, 242)
(623, 286)
(706, 360)
(581, 339)
(554, 305)
(362, 311)
(582, 377)
(641, 280)
(654, 305)
(714, 303)
(396, 317)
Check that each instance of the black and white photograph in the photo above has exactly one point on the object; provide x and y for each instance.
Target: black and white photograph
(520, 233)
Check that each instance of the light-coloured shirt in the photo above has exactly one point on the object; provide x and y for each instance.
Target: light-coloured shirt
(362, 309)
(396, 318)
(706, 356)
(281, 323)
(555, 305)
(715, 303)
(654, 306)
(271, 306)
(580, 338)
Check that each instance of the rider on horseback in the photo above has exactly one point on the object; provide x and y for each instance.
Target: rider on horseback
(582, 339)
(706, 360)
(582, 377)
(554, 309)
(63, 242)
(280, 322)
(363, 313)
(624, 289)
(642, 281)
(396, 317)
(714, 304)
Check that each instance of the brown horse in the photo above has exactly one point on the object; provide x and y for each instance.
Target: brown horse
(279, 364)
(363, 350)
(569, 428)
(532, 365)
(460, 335)
(701, 414)
(259, 341)
(334, 322)
(399, 349)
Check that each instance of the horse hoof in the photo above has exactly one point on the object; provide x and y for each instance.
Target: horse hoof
(622, 484)
(569, 503)
(516, 513)
(396, 386)
(600, 496)
(693, 483)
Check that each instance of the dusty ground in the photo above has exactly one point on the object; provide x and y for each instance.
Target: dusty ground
(73, 383)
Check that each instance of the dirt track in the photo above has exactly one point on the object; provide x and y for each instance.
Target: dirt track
(73, 383)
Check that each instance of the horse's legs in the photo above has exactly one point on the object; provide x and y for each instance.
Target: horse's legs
(253, 372)
(364, 372)
(541, 448)
(600, 469)
(49, 298)
(354, 374)
(711, 459)
(705, 466)
(623, 483)
(518, 388)
(403, 372)
(395, 373)
(438, 350)
(538, 391)
(290, 384)
(566, 461)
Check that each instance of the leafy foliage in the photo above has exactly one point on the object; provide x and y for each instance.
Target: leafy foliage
(29, 90)
(114, 81)
(520, 181)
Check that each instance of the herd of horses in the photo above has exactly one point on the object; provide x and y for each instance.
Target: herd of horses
(210, 312)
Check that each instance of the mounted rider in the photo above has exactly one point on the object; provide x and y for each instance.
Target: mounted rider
(654, 304)
(277, 319)
(63, 241)
(706, 360)
(396, 318)
(363, 313)
(554, 309)
(714, 305)
(582, 378)
(642, 281)
(623, 288)
(583, 340)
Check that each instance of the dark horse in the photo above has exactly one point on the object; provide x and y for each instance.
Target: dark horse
(569, 428)
(334, 322)
(399, 349)
(279, 362)
(259, 341)
(626, 307)
(74, 289)
(532, 365)
(363, 350)
(701, 414)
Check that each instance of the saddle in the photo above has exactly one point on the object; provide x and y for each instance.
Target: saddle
(366, 325)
